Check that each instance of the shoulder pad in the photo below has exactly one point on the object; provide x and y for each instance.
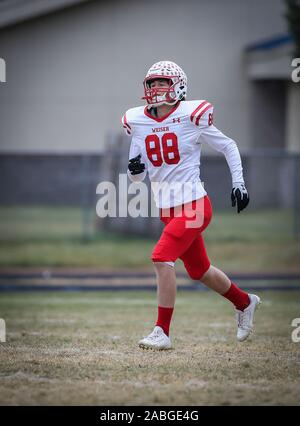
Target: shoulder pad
(131, 118)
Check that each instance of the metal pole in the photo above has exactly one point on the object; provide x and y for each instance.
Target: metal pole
(84, 178)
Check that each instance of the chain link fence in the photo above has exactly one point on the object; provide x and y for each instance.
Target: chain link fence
(272, 178)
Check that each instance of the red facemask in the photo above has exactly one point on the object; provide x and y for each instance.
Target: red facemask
(158, 95)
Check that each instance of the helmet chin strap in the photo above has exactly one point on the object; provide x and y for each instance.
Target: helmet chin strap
(162, 103)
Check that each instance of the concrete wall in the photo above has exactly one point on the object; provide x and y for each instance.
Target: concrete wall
(71, 74)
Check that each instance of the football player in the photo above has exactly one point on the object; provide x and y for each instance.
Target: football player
(167, 135)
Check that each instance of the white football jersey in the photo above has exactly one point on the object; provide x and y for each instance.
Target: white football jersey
(170, 147)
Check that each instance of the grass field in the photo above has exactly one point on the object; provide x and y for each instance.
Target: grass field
(81, 348)
(52, 237)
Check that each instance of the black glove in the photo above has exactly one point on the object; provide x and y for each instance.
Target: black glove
(135, 166)
(239, 196)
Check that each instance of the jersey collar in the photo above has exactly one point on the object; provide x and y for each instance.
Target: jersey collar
(159, 120)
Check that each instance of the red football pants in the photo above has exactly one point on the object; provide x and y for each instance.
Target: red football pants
(181, 237)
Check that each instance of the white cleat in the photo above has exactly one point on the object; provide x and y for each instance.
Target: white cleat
(245, 318)
(156, 340)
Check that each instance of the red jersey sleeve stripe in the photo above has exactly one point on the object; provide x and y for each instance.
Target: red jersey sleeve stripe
(197, 109)
(126, 125)
(201, 113)
(125, 122)
(127, 130)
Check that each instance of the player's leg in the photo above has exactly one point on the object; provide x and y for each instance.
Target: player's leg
(165, 253)
(173, 241)
(176, 238)
(199, 268)
(245, 304)
(166, 283)
(218, 281)
(165, 278)
(166, 295)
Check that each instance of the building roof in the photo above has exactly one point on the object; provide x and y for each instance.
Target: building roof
(270, 58)
(271, 43)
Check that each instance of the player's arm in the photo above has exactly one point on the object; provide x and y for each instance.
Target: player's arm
(136, 170)
(136, 167)
(222, 143)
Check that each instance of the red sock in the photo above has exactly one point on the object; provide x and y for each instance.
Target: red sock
(164, 318)
(238, 297)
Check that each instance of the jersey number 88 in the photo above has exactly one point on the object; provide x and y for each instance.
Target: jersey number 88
(162, 150)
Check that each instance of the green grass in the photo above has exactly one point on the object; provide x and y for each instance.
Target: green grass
(81, 348)
(48, 236)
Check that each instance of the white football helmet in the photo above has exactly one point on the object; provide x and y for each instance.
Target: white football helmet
(165, 95)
